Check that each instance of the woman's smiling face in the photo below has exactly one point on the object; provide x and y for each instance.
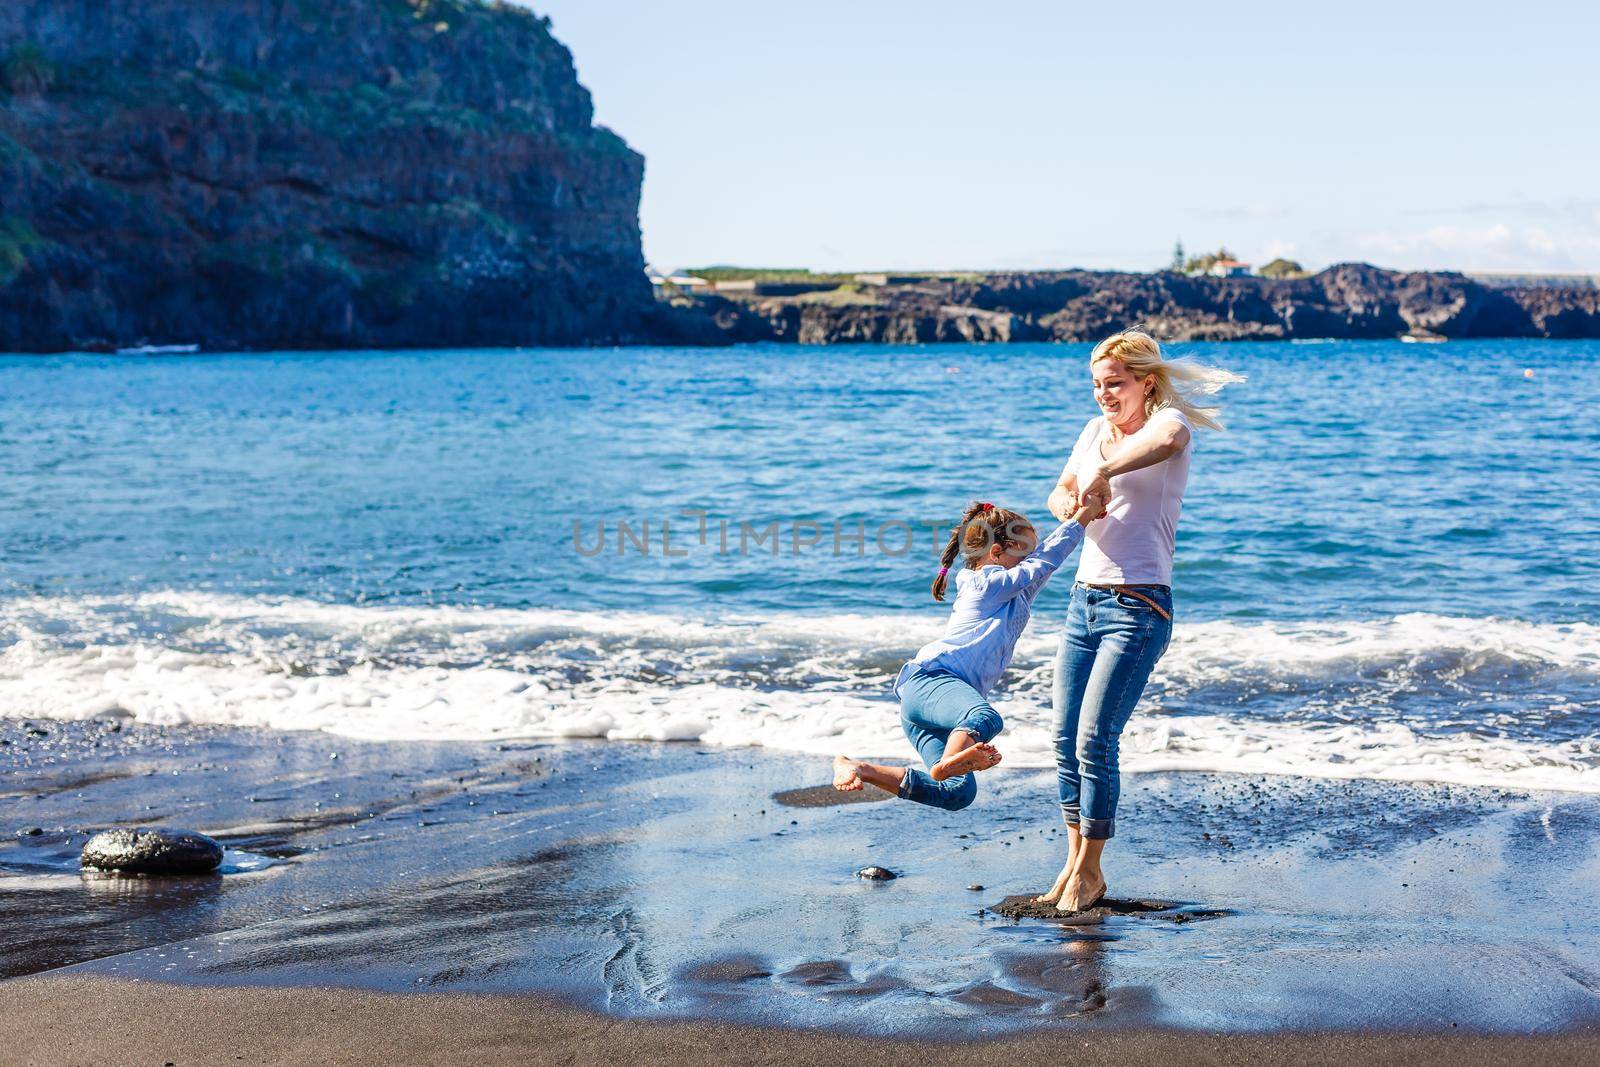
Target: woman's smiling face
(1120, 395)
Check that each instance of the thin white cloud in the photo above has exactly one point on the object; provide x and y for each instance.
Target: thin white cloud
(1496, 246)
(1563, 209)
(1278, 249)
(1247, 211)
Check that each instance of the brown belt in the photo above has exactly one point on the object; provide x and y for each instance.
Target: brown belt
(1131, 591)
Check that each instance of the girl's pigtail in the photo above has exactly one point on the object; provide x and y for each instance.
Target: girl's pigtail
(953, 547)
(941, 579)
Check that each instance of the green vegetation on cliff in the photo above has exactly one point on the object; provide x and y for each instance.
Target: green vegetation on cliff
(17, 238)
(26, 72)
(766, 274)
(1283, 268)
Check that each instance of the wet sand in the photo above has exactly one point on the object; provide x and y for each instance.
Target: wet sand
(378, 891)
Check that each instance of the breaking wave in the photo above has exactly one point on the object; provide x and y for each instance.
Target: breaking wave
(1416, 697)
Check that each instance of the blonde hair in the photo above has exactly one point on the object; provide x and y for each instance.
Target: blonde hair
(1180, 383)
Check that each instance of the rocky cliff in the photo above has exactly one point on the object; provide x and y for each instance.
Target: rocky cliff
(306, 173)
(1352, 300)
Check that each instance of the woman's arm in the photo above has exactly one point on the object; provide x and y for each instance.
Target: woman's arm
(1151, 445)
(1064, 497)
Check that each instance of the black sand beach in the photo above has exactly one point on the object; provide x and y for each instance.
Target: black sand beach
(657, 900)
(69, 1020)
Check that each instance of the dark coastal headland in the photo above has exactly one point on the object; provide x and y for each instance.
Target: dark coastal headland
(248, 174)
(1346, 301)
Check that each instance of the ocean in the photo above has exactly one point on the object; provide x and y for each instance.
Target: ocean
(1387, 565)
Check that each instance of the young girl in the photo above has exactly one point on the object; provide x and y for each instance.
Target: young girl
(943, 690)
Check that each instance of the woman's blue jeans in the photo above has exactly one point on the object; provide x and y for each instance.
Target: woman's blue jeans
(932, 704)
(1110, 646)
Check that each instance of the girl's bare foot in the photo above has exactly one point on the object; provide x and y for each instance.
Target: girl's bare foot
(1081, 891)
(1054, 893)
(846, 774)
(979, 757)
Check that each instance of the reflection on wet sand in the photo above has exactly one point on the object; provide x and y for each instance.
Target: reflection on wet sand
(668, 881)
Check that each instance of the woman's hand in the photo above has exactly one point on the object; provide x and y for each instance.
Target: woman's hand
(1099, 485)
(1064, 498)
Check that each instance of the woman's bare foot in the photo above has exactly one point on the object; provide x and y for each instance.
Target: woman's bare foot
(1054, 893)
(979, 757)
(1081, 891)
(1074, 846)
(846, 774)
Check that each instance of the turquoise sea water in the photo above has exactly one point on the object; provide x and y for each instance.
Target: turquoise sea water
(1356, 480)
(1388, 536)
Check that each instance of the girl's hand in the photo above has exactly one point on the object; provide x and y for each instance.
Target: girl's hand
(1092, 508)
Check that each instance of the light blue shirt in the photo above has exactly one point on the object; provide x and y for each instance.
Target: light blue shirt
(991, 610)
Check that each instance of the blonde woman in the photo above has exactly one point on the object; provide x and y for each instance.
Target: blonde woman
(1135, 455)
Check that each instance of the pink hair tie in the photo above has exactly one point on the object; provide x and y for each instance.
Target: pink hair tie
(943, 571)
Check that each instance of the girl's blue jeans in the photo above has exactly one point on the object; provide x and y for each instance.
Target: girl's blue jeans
(932, 704)
(1110, 646)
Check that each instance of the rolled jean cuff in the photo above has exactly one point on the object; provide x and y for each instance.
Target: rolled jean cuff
(1069, 815)
(982, 725)
(1098, 829)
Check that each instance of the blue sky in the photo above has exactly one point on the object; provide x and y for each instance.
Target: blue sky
(1040, 135)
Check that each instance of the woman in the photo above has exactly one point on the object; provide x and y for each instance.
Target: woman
(1136, 455)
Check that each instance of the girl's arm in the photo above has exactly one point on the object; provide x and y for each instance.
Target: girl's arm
(1040, 564)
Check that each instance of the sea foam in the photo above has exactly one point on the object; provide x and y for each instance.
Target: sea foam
(1472, 701)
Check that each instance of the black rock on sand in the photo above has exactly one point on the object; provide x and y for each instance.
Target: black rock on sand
(146, 851)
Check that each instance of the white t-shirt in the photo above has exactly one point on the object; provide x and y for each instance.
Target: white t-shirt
(1133, 543)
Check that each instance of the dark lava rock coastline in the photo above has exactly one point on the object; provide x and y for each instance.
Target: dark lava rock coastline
(307, 174)
(1350, 300)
